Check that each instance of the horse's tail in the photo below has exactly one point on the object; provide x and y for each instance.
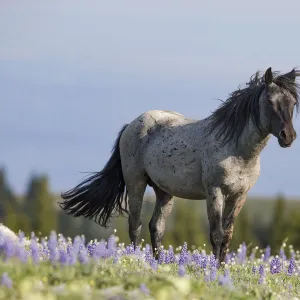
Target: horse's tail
(101, 195)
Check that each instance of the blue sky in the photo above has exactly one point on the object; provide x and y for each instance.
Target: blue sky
(73, 72)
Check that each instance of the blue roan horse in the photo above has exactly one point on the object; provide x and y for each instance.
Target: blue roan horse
(216, 159)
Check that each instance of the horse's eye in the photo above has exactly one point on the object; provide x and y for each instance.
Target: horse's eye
(269, 101)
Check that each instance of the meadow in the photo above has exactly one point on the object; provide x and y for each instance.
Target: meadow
(56, 267)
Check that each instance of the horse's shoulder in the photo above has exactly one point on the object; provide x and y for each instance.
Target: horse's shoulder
(239, 175)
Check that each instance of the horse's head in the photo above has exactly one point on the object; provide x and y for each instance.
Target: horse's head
(280, 99)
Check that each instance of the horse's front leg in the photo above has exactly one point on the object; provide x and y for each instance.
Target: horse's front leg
(215, 203)
(232, 208)
(162, 210)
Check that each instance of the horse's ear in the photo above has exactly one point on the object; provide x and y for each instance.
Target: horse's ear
(292, 75)
(268, 76)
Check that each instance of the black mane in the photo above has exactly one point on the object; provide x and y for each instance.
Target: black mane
(231, 117)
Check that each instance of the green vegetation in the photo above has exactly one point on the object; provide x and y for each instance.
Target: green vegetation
(116, 272)
(105, 280)
(59, 268)
(262, 222)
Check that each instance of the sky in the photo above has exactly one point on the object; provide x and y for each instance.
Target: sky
(73, 72)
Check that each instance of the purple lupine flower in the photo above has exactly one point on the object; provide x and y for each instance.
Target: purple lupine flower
(206, 276)
(61, 239)
(21, 236)
(63, 257)
(212, 261)
(282, 254)
(45, 249)
(153, 264)
(225, 280)
(254, 269)
(52, 241)
(33, 237)
(148, 255)
(77, 243)
(170, 257)
(72, 254)
(213, 268)
(83, 256)
(275, 266)
(204, 261)
(111, 245)
(82, 239)
(2, 242)
(261, 272)
(6, 281)
(213, 273)
(52, 246)
(129, 249)
(196, 258)
(100, 250)
(21, 253)
(267, 253)
(54, 255)
(144, 289)
(91, 248)
(252, 256)
(227, 258)
(183, 258)
(9, 247)
(161, 256)
(138, 251)
(242, 254)
(69, 248)
(167, 258)
(292, 266)
(181, 270)
(34, 250)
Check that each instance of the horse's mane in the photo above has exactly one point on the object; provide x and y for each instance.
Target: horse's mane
(231, 117)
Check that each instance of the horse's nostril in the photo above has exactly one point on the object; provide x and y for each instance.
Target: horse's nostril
(282, 134)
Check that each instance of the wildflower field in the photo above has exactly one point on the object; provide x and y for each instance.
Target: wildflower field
(56, 267)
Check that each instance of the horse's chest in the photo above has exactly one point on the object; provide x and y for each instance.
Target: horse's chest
(240, 178)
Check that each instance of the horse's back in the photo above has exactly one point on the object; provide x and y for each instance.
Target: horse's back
(165, 146)
(152, 121)
(162, 117)
(141, 129)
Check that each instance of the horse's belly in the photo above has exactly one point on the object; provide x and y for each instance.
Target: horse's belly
(179, 182)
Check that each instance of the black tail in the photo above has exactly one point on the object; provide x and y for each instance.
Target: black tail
(101, 195)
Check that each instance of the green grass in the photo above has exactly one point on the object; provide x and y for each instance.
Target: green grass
(104, 279)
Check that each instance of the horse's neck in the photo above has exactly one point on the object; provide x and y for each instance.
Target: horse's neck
(252, 142)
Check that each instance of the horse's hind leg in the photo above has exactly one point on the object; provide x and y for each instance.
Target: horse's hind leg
(163, 208)
(136, 190)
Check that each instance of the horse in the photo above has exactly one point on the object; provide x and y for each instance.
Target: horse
(216, 158)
